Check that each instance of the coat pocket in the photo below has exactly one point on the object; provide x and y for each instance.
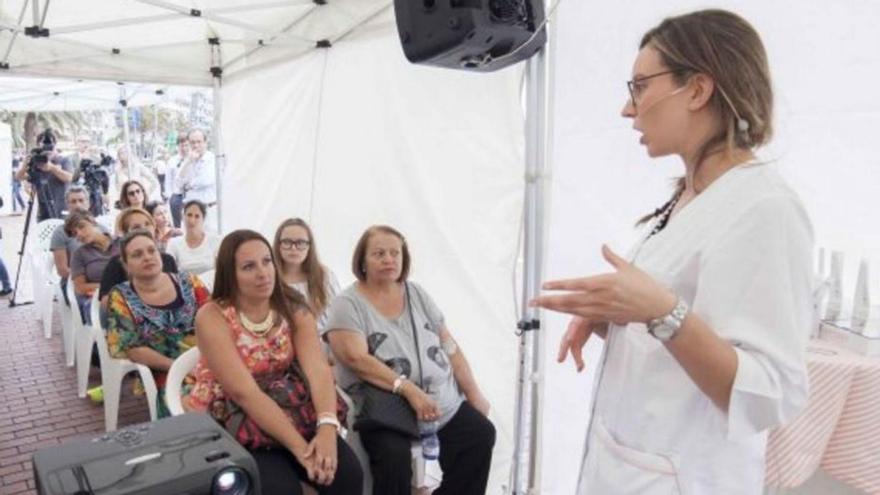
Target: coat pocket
(613, 468)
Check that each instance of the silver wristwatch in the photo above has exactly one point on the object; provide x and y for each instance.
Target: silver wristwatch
(666, 327)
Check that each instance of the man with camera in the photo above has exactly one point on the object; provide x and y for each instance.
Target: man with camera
(91, 170)
(49, 173)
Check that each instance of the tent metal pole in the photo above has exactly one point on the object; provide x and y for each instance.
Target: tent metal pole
(219, 156)
(524, 470)
(45, 13)
(35, 4)
(123, 102)
(15, 32)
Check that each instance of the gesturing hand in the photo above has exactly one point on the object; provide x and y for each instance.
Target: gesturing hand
(626, 295)
(577, 334)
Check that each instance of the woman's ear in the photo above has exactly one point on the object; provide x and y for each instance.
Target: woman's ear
(704, 87)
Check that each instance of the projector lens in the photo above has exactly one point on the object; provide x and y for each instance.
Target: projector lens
(231, 481)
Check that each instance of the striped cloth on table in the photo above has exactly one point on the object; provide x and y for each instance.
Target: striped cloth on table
(839, 430)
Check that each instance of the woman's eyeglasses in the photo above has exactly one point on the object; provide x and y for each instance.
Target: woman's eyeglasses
(300, 244)
(637, 85)
(134, 192)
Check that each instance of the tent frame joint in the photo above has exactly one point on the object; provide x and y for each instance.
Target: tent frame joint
(195, 12)
(524, 326)
(325, 43)
(36, 32)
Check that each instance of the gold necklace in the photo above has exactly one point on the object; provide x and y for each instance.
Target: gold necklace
(260, 328)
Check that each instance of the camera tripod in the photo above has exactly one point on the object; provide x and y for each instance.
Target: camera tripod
(47, 203)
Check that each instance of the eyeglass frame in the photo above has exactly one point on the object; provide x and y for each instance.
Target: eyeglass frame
(299, 244)
(132, 192)
(630, 85)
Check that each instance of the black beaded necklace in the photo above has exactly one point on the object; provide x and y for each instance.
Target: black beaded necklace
(663, 213)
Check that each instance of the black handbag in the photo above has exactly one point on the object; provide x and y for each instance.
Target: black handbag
(384, 410)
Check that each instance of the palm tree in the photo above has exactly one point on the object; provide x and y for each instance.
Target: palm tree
(25, 124)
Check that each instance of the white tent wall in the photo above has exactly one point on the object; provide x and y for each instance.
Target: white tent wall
(6, 168)
(354, 136)
(824, 63)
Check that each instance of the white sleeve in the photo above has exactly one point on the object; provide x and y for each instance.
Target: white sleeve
(173, 249)
(754, 292)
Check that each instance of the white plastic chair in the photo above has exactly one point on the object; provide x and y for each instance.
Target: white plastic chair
(207, 278)
(178, 371)
(68, 337)
(83, 340)
(43, 276)
(113, 370)
(113, 373)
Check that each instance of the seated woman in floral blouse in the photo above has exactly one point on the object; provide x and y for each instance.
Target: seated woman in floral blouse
(151, 318)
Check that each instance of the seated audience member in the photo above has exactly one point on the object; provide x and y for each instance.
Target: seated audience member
(132, 195)
(165, 230)
(114, 273)
(87, 263)
(257, 331)
(301, 268)
(196, 250)
(151, 318)
(371, 332)
(62, 245)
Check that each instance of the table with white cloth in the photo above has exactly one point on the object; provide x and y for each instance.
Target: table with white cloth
(839, 431)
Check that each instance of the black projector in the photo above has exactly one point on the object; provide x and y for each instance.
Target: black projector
(475, 35)
(183, 455)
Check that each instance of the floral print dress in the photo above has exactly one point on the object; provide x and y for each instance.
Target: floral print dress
(133, 323)
(263, 356)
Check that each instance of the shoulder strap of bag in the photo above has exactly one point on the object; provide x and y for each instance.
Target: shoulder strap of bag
(412, 321)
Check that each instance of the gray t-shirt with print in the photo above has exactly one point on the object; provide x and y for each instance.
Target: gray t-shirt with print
(391, 341)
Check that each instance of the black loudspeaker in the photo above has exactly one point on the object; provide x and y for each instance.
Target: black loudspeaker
(476, 35)
(189, 454)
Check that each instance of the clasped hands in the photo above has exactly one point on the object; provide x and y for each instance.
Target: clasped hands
(320, 457)
(625, 295)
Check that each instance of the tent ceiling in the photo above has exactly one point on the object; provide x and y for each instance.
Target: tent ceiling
(162, 41)
(19, 94)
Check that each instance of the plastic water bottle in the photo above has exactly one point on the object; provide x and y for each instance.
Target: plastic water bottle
(430, 441)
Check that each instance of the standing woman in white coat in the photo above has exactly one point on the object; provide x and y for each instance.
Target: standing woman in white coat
(706, 321)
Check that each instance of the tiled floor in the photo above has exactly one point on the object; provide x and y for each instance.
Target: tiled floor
(38, 402)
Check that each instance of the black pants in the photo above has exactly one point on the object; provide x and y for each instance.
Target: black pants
(465, 456)
(175, 204)
(281, 473)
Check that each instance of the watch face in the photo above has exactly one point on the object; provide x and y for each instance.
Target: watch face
(664, 331)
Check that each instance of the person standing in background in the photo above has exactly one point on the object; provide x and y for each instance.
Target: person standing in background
(175, 202)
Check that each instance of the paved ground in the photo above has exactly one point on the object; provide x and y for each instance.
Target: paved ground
(38, 402)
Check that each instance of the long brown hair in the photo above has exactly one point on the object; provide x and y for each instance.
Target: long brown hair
(316, 274)
(725, 47)
(284, 300)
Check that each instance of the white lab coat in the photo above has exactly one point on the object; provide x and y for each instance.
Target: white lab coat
(740, 254)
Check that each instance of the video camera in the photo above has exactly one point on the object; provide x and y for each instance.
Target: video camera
(96, 180)
(41, 154)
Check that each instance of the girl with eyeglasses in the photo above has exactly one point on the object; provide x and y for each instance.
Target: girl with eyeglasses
(301, 268)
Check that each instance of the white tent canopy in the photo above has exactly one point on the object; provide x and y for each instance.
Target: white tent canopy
(169, 41)
(59, 95)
